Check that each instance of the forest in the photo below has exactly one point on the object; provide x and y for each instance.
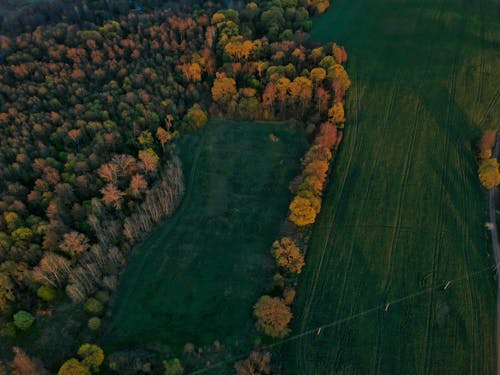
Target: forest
(89, 115)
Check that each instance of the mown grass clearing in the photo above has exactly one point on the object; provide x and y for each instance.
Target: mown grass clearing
(196, 277)
(404, 210)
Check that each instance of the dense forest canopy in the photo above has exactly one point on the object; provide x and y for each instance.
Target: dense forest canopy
(88, 111)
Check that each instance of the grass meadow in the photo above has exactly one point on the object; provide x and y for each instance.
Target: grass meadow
(196, 277)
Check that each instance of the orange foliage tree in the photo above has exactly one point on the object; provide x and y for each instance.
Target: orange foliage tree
(273, 316)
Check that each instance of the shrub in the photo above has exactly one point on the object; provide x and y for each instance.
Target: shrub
(23, 320)
(289, 295)
(93, 306)
(46, 293)
(94, 323)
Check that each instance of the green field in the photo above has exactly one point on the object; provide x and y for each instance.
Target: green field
(196, 277)
(404, 210)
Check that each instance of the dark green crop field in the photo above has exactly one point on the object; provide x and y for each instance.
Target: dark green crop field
(196, 277)
(404, 211)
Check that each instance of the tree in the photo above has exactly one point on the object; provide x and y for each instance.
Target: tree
(74, 243)
(73, 367)
(257, 363)
(327, 136)
(288, 255)
(273, 316)
(23, 320)
(223, 89)
(318, 75)
(336, 113)
(163, 137)
(302, 211)
(486, 143)
(149, 160)
(138, 185)
(489, 174)
(23, 364)
(112, 196)
(92, 356)
(46, 293)
(173, 367)
(196, 117)
(339, 53)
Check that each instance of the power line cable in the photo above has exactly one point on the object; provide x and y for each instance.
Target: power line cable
(384, 306)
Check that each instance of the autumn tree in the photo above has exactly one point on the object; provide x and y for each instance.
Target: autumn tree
(273, 316)
(486, 143)
(73, 367)
(489, 174)
(288, 255)
(302, 211)
(92, 356)
(74, 243)
(257, 363)
(196, 117)
(149, 160)
(336, 113)
(23, 364)
(223, 89)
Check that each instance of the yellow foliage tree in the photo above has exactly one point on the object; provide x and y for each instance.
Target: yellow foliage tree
(223, 89)
(489, 175)
(336, 113)
(302, 211)
(288, 255)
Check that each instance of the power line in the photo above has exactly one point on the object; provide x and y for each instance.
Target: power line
(383, 306)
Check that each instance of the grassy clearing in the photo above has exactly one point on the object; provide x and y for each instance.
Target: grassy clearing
(404, 210)
(195, 278)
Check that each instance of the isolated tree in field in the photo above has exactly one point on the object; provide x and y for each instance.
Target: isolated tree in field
(489, 175)
(288, 255)
(273, 316)
(302, 211)
(257, 363)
